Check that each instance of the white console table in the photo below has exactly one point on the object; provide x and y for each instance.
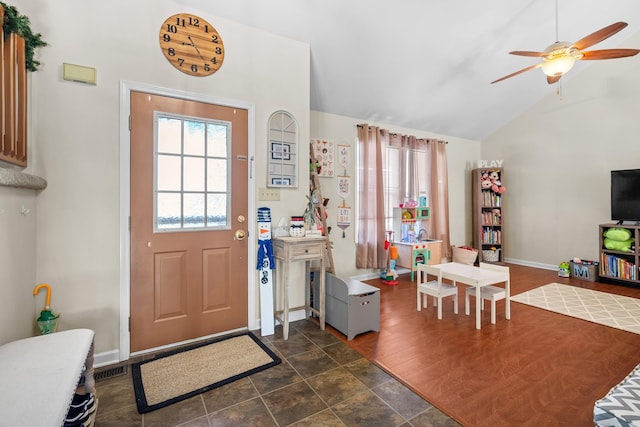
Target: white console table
(286, 251)
(39, 376)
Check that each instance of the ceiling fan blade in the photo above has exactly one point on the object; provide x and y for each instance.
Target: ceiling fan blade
(553, 79)
(598, 36)
(527, 53)
(517, 72)
(609, 53)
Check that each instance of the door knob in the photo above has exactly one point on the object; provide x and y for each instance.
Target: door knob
(240, 235)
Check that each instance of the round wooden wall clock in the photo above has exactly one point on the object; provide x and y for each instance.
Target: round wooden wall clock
(191, 44)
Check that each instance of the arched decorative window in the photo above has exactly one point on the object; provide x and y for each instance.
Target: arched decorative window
(282, 150)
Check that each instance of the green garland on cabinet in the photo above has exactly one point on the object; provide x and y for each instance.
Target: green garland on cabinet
(14, 22)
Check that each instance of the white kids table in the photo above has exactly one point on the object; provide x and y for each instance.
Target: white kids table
(471, 276)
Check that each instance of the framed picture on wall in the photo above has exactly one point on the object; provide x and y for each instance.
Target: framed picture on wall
(281, 181)
(280, 151)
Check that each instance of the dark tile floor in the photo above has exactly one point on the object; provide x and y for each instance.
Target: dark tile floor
(320, 382)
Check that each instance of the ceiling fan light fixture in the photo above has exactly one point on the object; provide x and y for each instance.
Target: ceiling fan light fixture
(558, 59)
(558, 66)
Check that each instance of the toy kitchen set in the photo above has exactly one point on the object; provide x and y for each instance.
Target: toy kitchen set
(410, 236)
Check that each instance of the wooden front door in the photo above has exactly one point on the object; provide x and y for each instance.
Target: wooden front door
(188, 220)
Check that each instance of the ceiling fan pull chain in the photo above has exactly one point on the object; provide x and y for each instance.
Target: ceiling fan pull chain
(559, 90)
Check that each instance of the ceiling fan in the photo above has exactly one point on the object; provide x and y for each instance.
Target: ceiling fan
(558, 58)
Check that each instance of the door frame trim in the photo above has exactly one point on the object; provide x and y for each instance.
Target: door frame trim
(126, 87)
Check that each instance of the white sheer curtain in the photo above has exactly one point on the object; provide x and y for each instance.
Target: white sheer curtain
(397, 185)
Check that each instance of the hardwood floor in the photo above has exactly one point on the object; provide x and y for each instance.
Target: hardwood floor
(540, 368)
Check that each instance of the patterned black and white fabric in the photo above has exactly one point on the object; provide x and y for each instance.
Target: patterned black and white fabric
(621, 406)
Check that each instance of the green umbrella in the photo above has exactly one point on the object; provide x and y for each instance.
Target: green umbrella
(47, 322)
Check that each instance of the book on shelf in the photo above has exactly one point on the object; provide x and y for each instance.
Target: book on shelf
(491, 199)
(491, 218)
(491, 236)
(614, 266)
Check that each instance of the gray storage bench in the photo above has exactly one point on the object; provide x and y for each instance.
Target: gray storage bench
(621, 406)
(352, 307)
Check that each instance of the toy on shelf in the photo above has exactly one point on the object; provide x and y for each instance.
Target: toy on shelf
(410, 203)
(490, 180)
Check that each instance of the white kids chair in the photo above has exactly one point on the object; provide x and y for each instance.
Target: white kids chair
(435, 288)
(491, 293)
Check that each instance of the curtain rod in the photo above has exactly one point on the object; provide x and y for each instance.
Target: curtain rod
(396, 134)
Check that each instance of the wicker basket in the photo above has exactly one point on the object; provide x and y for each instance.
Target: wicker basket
(464, 256)
(491, 255)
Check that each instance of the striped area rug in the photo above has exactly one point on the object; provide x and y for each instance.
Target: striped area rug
(606, 309)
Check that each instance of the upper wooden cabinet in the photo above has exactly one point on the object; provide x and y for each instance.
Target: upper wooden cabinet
(13, 144)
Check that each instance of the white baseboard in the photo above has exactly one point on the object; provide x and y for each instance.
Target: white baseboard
(293, 316)
(531, 264)
(106, 358)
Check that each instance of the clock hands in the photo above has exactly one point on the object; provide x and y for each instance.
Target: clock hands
(195, 47)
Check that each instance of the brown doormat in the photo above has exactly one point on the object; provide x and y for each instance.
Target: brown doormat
(180, 374)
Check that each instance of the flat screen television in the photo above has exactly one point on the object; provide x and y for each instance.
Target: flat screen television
(625, 195)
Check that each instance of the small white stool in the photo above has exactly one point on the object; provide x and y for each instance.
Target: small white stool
(437, 291)
(492, 293)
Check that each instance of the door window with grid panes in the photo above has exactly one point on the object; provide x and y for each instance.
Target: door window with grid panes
(191, 172)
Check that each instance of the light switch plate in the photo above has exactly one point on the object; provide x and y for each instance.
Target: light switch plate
(269, 194)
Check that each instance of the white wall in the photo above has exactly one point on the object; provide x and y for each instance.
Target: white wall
(75, 141)
(18, 273)
(461, 156)
(558, 157)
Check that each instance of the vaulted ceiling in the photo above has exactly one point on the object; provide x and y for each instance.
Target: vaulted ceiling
(427, 64)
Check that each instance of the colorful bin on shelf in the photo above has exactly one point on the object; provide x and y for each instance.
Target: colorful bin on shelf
(584, 271)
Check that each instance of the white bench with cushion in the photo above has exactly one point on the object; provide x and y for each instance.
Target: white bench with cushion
(40, 375)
